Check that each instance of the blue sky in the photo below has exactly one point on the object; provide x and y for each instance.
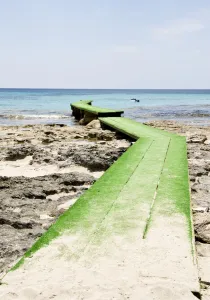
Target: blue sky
(105, 44)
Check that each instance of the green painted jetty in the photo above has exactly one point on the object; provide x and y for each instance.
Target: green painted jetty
(130, 236)
(83, 110)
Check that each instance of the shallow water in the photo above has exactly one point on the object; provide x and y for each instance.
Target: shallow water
(32, 106)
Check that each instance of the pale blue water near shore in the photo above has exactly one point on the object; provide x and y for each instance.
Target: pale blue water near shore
(32, 106)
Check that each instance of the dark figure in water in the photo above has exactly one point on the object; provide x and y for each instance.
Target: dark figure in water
(136, 100)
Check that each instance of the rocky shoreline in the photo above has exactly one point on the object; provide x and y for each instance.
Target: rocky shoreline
(43, 171)
(45, 168)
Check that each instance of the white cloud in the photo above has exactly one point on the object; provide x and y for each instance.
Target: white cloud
(179, 27)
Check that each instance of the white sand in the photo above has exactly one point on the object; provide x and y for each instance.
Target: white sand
(22, 167)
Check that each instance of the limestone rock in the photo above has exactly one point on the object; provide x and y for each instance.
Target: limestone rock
(18, 152)
(95, 124)
(197, 138)
(202, 227)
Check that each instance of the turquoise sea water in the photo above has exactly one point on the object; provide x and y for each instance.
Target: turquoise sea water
(30, 106)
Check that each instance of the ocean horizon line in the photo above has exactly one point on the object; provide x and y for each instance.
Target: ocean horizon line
(111, 89)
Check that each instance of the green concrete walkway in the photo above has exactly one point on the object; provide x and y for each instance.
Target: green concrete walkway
(128, 237)
(86, 106)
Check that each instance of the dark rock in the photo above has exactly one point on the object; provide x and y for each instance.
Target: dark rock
(205, 147)
(92, 134)
(91, 157)
(49, 133)
(197, 138)
(192, 178)
(47, 140)
(23, 200)
(55, 125)
(198, 171)
(19, 152)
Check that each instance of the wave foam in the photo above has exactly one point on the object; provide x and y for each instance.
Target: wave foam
(33, 117)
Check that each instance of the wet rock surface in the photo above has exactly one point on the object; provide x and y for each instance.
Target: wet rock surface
(199, 171)
(43, 171)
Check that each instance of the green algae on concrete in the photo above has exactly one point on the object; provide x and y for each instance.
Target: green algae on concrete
(173, 192)
(176, 165)
(135, 218)
(89, 210)
(132, 206)
(137, 179)
(134, 129)
(85, 106)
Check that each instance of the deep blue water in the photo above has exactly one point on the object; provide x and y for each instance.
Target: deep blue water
(29, 106)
